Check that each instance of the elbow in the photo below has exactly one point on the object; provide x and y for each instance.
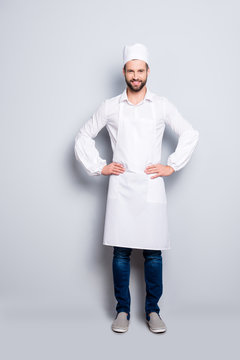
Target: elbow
(75, 152)
(197, 136)
(77, 137)
(77, 148)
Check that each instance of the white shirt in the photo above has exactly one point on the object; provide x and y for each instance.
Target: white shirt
(108, 115)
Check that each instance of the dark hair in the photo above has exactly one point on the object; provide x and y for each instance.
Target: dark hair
(145, 63)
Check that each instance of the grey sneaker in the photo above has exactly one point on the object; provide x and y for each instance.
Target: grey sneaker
(156, 324)
(120, 324)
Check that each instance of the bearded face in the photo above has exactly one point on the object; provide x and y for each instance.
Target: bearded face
(136, 74)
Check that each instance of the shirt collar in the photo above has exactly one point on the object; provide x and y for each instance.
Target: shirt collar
(148, 95)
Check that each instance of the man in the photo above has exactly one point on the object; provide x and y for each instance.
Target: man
(136, 211)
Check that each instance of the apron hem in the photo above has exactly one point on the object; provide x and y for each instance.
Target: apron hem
(136, 247)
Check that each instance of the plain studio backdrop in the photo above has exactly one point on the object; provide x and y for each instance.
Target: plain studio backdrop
(59, 61)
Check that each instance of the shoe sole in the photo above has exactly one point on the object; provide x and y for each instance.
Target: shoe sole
(119, 330)
(155, 331)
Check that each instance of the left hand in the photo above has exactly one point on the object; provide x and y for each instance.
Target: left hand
(159, 169)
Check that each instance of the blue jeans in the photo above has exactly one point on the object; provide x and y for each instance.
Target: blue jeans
(152, 274)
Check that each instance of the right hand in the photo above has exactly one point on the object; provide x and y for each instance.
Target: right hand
(113, 168)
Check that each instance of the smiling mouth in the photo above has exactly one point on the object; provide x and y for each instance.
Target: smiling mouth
(136, 82)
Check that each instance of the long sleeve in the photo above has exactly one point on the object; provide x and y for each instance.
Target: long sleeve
(85, 149)
(188, 137)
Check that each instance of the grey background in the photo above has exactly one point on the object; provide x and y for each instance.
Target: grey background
(59, 60)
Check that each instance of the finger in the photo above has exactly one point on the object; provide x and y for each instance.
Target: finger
(154, 177)
(116, 172)
(150, 166)
(119, 166)
(151, 171)
(118, 169)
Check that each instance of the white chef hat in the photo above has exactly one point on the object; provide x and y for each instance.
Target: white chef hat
(135, 51)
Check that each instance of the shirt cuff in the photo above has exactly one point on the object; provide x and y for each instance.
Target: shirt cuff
(172, 165)
(99, 170)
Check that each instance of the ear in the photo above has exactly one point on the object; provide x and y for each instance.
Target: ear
(148, 72)
(123, 71)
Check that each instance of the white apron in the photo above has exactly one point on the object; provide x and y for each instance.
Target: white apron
(136, 208)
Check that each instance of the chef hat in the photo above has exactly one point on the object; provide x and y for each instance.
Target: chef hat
(135, 51)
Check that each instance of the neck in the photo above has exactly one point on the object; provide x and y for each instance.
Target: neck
(136, 97)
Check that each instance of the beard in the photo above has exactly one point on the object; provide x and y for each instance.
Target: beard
(136, 89)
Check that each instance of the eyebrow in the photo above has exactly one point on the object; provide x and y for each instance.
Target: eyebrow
(137, 70)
